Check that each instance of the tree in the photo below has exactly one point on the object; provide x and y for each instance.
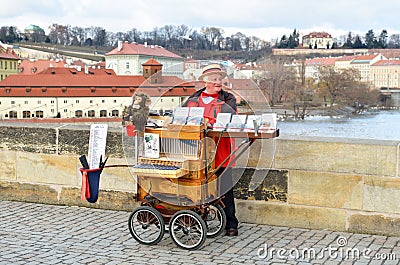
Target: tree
(213, 37)
(289, 42)
(370, 39)
(99, 36)
(349, 41)
(60, 34)
(79, 35)
(283, 43)
(301, 99)
(360, 97)
(382, 40)
(9, 34)
(133, 35)
(358, 43)
(276, 80)
(333, 82)
(394, 41)
(170, 36)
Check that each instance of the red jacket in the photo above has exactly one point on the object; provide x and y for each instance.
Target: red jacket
(226, 102)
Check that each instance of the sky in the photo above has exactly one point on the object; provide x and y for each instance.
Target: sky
(265, 19)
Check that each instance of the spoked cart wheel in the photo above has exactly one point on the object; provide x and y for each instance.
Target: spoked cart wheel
(215, 219)
(146, 225)
(187, 229)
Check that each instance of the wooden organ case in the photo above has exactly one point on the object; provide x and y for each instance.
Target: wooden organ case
(178, 176)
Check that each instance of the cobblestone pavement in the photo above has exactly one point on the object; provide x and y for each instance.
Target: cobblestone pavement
(47, 234)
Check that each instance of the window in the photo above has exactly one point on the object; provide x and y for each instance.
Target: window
(39, 102)
(13, 114)
(78, 113)
(52, 101)
(39, 114)
(103, 101)
(127, 65)
(115, 101)
(91, 101)
(26, 114)
(65, 101)
(25, 102)
(65, 110)
(77, 101)
(12, 102)
(91, 113)
(114, 113)
(103, 113)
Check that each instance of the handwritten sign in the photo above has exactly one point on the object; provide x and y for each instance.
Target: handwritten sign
(97, 144)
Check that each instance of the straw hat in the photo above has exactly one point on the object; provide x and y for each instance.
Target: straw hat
(212, 69)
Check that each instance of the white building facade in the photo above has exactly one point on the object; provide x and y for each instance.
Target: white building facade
(127, 59)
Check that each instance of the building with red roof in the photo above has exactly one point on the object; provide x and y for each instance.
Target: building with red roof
(312, 65)
(363, 63)
(8, 62)
(33, 66)
(317, 40)
(127, 59)
(67, 93)
(385, 74)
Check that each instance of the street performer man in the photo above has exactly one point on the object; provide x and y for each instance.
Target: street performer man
(215, 100)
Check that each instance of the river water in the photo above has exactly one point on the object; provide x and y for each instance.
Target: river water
(382, 125)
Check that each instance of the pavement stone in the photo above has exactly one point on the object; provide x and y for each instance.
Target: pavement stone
(49, 234)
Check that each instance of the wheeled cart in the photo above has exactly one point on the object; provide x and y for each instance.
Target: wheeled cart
(178, 188)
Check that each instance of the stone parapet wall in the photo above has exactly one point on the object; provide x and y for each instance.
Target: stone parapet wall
(320, 183)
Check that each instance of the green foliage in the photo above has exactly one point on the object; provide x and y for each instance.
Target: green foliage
(289, 43)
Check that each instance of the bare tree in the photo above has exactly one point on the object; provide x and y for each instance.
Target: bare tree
(213, 37)
(78, 35)
(277, 80)
(333, 82)
(170, 36)
(133, 35)
(360, 97)
(394, 41)
(301, 99)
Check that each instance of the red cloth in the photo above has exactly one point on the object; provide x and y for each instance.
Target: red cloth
(205, 94)
(85, 189)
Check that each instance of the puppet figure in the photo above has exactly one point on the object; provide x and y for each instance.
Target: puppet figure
(136, 114)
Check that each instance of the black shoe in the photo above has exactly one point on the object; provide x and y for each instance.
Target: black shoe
(231, 232)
